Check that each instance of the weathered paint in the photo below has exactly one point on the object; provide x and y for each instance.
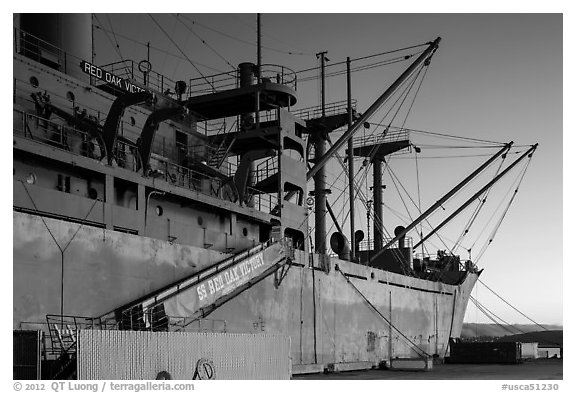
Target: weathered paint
(104, 270)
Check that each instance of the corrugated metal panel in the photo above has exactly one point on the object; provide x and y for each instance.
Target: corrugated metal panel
(121, 355)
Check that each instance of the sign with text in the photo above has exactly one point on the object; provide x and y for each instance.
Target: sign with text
(210, 290)
(109, 78)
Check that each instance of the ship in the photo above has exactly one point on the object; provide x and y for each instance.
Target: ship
(146, 204)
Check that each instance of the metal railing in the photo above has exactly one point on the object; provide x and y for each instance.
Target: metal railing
(260, 200)
(392, 135)
(366, 245)
(331, 109)
(265, 169)
(56, 135)
(279, 74)
(128, 69)
(184, 177)
(230, 80)
(81, 143)
(42, 51)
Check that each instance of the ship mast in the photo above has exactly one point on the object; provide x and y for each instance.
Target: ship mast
(320, 177)
(259, 45)
(447, 196)
(350, 161)
(321, 161)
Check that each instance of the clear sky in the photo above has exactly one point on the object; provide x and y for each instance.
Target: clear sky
(496, 77)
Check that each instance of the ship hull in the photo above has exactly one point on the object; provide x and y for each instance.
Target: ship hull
(72, 269)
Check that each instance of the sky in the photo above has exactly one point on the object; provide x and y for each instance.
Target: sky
(495, 77)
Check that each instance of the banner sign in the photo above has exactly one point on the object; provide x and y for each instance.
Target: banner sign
(109, 78)
(208, 291)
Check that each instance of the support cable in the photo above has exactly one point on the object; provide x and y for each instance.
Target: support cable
(181, 51)
(161, 50)
(366, 57)
(194, 22)
(476, 213)
(419, 351)
(499, 223)
(514, 308)
(204, 41)
(115, 46)
(488, 313)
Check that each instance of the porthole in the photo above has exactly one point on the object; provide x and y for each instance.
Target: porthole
(200, 220)
(245, 232)
(70, 96)
(132, 121)
(34, 81)
(159, 210)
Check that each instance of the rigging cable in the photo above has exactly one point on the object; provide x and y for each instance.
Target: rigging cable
(181, 51)
(241, 40)
(114, 35)
(275, 39)
(364, 57)
(362, 68)
(495, 211)
(408, 85)
(487, 312)
(204, 41)
(505, 301)
(116, 47)
(415, 347)
(156, 48)
(499, 223)
(490, 315)
(478, 208)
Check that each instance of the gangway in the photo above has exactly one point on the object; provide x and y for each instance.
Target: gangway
(198, 295)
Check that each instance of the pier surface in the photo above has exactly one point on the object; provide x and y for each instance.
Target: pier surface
(540, 369)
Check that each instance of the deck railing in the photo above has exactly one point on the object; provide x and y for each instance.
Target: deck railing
(366, 245)
(331, 109)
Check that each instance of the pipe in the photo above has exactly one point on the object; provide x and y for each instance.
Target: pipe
(340, 246)
(321, 161)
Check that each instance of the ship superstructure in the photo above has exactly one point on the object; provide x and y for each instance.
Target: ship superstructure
(142, 203)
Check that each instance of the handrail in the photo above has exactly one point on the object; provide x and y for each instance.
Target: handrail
(330, 109)
(80, 143)
(366, 245)
(229, 80)
(389, 136)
